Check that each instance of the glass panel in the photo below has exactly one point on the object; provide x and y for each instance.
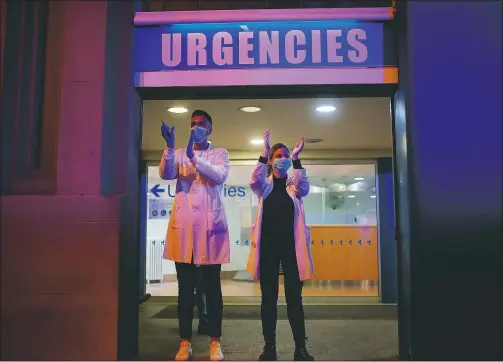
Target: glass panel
(340, 208)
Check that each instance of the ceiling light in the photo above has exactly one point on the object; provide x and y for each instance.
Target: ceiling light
(178, 110)
(351, 196)
(373, 196)
(257, 142)
(250, 109)
(313, 140)
(325, 109)
(359, 178)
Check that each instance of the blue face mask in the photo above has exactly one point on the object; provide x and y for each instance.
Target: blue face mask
(282, 165)
(199, 134)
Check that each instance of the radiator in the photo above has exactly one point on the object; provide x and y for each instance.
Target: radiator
(155, 249)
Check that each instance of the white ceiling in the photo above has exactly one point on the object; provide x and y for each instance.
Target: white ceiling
(357, 124)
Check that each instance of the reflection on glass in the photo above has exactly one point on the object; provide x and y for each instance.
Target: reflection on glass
(340, 209)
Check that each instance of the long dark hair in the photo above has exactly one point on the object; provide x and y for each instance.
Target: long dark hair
(273, 149)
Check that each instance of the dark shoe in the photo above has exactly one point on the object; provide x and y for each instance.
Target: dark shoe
(269, 353)
(302, 354)
(202, 329)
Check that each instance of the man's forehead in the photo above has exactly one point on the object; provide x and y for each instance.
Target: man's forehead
(199, 119)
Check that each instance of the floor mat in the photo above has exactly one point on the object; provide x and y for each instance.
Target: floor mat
(312, 312)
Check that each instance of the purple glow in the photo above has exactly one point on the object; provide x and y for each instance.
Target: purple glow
(261, 15)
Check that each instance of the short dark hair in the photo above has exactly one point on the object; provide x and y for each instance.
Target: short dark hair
(199, 112)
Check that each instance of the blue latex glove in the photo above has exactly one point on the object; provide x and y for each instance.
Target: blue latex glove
(169, 135)
(190, 145)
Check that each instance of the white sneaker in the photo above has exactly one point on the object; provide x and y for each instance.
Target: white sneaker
(216, 351)
(185, 352)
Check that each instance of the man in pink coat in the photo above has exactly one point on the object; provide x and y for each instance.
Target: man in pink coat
(198, 235)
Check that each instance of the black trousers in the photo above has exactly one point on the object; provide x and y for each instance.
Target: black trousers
(272, 253)
(187, 275)
(201, 298)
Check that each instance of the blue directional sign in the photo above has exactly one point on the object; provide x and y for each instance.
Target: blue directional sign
(156, 190)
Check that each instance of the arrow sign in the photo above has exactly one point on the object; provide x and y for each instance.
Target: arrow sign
(156, 190)
(246, 242)
(237, 242)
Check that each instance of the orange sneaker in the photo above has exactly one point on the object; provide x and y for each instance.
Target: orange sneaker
(185, 351)
(216, 351)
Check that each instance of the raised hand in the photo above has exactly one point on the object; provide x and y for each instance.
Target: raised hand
(267, 143)
(267, 140)
(298, 149)
(190, 145)
(168, 134)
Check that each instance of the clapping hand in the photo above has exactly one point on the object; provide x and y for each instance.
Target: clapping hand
(168, 134)
(298, 149)
(190, 145)
(267, 143)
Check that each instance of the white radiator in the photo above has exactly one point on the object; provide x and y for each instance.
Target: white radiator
(155, 249)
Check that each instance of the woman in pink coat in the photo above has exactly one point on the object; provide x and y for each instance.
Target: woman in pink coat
(280, 236)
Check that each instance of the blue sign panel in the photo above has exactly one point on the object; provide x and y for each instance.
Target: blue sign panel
(341, 44)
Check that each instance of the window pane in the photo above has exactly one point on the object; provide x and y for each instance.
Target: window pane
(340, 208)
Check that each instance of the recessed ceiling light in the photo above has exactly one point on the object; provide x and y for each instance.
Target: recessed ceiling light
(325, 109)
(373, 196)
(250, 109)
(359, 178)
(178, 110)
(351, 196)
(257, 142)
(313, 140)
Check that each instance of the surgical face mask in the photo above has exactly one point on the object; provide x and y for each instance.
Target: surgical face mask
(282, 165)
(199, 134)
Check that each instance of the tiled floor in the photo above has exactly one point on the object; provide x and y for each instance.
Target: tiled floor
(236, 288)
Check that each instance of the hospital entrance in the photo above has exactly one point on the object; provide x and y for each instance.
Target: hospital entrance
(344, 139)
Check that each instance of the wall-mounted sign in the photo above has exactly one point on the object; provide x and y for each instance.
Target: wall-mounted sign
(159, 208)
(334, 44)
(169, 191)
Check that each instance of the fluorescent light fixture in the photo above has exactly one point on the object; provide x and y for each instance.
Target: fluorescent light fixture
(250, 109)
(178, 110)
(359, 178)
(373, 196)
(257, 142)
(325, 109)
(351, 196)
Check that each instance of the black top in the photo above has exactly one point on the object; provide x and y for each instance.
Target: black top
(278, 209)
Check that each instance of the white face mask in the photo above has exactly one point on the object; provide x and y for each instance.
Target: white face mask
(200, 134)
(282, 165)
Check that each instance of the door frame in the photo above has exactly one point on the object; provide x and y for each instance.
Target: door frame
(130, 226)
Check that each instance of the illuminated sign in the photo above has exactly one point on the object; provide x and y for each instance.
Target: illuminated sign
(169, 190)
(340, 44)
